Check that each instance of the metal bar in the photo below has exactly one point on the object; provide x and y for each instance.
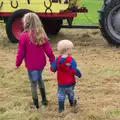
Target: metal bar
(81, 26)
(1, 5)
(28, 1)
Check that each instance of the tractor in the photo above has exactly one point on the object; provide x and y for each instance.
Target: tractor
(52, 13)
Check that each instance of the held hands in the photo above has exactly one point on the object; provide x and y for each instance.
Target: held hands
(16, 68)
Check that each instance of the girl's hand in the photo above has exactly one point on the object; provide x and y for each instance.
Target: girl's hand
(16, 68)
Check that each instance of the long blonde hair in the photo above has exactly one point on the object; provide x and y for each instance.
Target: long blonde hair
(33, 25)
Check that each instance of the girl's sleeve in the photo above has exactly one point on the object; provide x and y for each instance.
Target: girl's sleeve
(21, 51)
(75, 70)
(48, 51)
(53, 67)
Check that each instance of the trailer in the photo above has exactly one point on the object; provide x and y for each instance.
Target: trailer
(53, 12)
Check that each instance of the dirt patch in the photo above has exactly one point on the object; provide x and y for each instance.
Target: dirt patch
(97, 92)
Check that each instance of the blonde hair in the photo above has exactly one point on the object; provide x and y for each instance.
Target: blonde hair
(33, 25)
(64, 46)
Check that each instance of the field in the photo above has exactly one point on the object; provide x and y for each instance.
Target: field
(97, 92)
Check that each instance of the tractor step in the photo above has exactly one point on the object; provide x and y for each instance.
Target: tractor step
(81, 26)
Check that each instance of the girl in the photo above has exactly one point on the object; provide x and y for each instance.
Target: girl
(33, 46)
(66, 68)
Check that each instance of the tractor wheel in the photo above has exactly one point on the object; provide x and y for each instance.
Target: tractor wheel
(110, 22)
(14, 26)
(52, 26)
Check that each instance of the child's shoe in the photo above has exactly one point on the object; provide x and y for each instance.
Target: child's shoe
(61, 107)
(35, 104)
(43, 94)
(73, 103)
(44, 102)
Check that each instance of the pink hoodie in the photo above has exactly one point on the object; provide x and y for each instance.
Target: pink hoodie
(34, 55)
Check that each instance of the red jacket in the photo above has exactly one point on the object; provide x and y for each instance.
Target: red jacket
(66, 70)
(65, 75)
(34, 55)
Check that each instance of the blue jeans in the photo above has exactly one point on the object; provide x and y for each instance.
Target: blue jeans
(35, 77)
(62, 93)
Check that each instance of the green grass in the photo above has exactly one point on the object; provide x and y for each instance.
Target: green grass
(93, 6)
(97, 93)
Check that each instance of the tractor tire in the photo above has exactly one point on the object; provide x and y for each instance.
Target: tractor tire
(14, 26)
(110, 22)
(52, 26)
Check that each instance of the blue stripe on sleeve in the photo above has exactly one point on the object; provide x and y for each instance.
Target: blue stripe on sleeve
(54, 65)
(74, 67)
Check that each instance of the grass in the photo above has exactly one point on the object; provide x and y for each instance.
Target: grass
(97, 92)
(93, 6)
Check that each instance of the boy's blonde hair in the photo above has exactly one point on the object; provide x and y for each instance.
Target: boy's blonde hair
(33, 25)
(64, 46)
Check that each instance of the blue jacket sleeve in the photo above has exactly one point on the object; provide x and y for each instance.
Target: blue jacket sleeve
(54, 66)
(75, 69)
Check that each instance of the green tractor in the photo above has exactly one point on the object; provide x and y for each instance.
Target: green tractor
(110, 21)
(53, 12)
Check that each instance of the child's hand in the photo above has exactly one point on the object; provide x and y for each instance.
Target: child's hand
(16, 68)
(51, 69)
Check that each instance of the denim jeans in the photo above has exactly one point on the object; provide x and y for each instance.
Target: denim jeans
(62, 92)
(35, 77)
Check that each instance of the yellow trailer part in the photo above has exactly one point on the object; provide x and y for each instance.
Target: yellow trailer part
(35, 5)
